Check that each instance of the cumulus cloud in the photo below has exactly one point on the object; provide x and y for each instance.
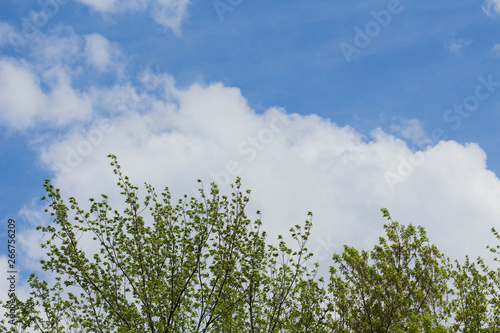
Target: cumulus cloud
(168, 13)
(293, 163)
(20, 95)
(23, 101)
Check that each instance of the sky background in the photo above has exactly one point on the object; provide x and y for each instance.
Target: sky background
(339, 108)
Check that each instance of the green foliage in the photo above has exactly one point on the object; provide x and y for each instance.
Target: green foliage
(400, 286)
(200, 265)
(472, 290)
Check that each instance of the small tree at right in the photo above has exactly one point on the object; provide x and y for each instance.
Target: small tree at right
(399, 286)
(472, 305)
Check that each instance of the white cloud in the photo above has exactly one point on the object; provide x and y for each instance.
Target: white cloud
(41, 90)
(456, 46)
(293, 164)
(20, 94)
(410, 129)
(71, 51)
(23, 102)
(168, 13)
(111, 6)
(101, 53)
(60, 47)
(495, 50)
(55, 49)
(6, 31)
(64, 48)
(97, 49)
(491, 7)
(65, 103)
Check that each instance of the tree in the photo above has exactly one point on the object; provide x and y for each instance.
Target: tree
(475, 297)
(472, 296)
(400, 286)
(199, 265)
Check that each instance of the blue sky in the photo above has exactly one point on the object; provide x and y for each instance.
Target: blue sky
(176, 88)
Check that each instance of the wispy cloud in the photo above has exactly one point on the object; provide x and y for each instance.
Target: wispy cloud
(102, 54)
(113, 6)
(491, 7)
(456, 46)
(168, 13)
(40, 91)
(410, 129)
(495, 51)
(5, 31)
